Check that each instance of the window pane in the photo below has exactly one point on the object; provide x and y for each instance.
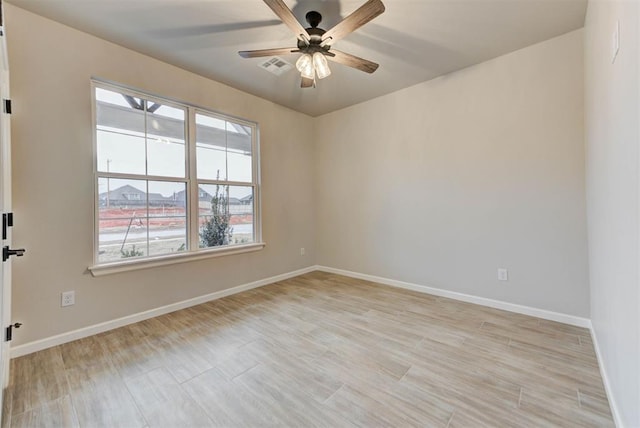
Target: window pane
(204, 199)
(210, 122)
(165, 141)
(238, 152)
(228, 218)
(166, 111)
(122, 219)
(211, 162)
(239, 165)
(122, 238)
(135, 249)
(165, 158)
(104, 96)
(122, 197)
(215, 227)
(128, 227)
(211, 145)
(241, 214)
(167, 235)
(120, 152)
(167, 217)
(120, 121)
(238, 137)
(167, 199)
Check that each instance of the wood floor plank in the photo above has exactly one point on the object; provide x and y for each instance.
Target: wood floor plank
(238, 362)
(37, 379)
(6, 408)
(229, 404)
(318, 350)
(57, 413)
(594, 400)
(292, 404)
(558, 410)
(101, 398)
(84, 353)
(318, 385)
(364, 411)
(130, 351)
(163, 402)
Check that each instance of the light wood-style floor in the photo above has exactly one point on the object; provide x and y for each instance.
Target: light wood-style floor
(317, 350)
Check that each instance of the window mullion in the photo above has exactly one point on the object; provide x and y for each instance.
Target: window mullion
(226, 151)
(148, 222)
(146, 171)
(255, 180)
(226, 183)
(122, 176)
(193, 199)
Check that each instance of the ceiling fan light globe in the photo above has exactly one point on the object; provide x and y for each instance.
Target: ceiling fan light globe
(308, 73)
(321, 65)
(305, 65)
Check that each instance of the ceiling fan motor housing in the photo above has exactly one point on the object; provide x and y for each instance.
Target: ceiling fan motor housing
(313, 18)
(315, 35)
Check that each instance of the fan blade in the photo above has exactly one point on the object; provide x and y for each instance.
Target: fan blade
(307, 83)
(280, 8)
(357, 19)
(267, 52)
(353, 61)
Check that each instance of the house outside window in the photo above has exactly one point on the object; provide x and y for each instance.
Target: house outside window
(171, 178)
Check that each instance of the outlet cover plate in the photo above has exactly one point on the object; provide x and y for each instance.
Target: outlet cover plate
(68, 298)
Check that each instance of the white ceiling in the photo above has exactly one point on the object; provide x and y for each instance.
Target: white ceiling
(413, 41)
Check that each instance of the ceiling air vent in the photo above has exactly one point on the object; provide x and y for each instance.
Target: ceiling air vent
(276, 65)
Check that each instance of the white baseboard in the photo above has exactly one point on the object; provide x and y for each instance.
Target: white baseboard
(511, 307)
(605, 379)
(80, 333)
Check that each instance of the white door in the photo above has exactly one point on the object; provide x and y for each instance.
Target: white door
(5, 206)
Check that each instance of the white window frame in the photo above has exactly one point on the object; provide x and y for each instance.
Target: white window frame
(193, 251)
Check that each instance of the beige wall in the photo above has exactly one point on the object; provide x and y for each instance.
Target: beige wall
(53, 181)
(442, 183)
(612, 116)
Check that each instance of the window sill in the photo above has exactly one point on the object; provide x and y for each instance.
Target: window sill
(165, 260)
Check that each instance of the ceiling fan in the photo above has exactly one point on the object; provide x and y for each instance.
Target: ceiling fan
(315, 43)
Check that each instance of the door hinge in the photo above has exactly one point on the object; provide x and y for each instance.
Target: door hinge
(7, 106)
(7, 222)
(9, 331)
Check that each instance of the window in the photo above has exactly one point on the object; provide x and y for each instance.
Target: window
(171, 178)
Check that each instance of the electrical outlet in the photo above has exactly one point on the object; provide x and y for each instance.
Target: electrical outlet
(68, 298)
(302, 251)
(503, 274)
